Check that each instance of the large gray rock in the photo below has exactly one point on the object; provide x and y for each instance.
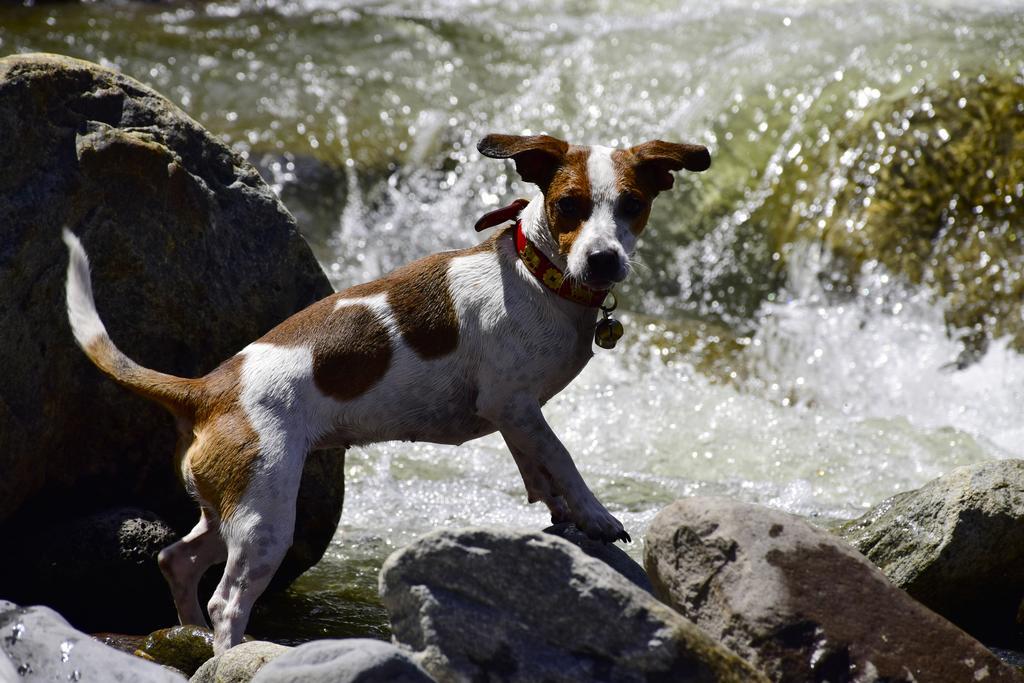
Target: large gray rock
(192, 256)
(609, 553)
(956, 545)
(239, 664)
(42, 646)
(799, 603)
(352, 660)
(479, 604)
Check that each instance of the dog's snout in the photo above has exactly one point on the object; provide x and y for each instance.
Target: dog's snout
(604, 265)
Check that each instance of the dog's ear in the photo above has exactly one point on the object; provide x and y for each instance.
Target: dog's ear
(656, 159)
(537, 157)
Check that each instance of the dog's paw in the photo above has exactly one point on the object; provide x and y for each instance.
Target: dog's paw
(599, 524)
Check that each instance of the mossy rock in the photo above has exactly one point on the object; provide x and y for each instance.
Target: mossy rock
(929, 185)
(184, 648)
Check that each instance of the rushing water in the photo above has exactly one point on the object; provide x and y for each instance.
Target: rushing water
(764, 361)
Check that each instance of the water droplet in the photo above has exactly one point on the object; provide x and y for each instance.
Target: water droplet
(17, 631)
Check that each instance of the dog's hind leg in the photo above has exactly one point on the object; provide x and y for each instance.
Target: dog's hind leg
(258, 534)
(184, 562)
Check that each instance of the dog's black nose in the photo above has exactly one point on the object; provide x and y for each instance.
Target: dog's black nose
(604, 265)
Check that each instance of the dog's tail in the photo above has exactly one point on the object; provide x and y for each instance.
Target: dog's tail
(174, 393)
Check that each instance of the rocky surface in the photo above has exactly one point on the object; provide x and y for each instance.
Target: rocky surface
(933, 183)
(609, 553)
(479, 604)
(956, 545)
(799, 603)
(239, 664)
(42, 646)
(192, 257)
(184, 648)
(86, 565)
(354, 660)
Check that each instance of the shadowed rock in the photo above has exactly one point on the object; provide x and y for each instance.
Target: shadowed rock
(956, 545)
(609, 553)
(192, 257)
(479, 604)
(799, 603)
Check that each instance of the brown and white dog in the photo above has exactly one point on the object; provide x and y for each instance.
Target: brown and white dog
(446, 349)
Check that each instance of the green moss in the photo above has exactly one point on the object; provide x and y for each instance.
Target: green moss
(930, 186)
(183, 647)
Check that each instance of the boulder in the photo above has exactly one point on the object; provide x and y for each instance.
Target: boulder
(957, 546)
(192, 257)
(481, 604)
(315, 192)
(609, 553)
(240, 663)
(352, 660)
(184, 648)
(111, 553)
(933, 182)
(799, 603)
(42, 646)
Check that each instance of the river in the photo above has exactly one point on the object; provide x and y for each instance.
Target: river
(830, 315)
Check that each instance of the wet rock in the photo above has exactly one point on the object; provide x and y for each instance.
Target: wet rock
(113, 553)
(42, 646)
(480, 604)
(799, 603)
(956, 545)
(185, 648)
(933, 184)
(609, 553)
(192, 256)
(125, 642)
(239, 664)
(354, 660)
(314, 190)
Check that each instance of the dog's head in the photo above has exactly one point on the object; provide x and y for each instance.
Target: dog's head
(596, 200)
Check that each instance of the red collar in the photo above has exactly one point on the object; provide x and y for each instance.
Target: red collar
(551, 277)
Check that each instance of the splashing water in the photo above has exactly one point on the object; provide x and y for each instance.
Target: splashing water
(820, 382)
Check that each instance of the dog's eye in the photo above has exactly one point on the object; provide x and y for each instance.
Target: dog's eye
(570, 207)
(630, 205)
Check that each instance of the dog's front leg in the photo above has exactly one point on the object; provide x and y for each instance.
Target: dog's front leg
(528, 435)
(540, 487)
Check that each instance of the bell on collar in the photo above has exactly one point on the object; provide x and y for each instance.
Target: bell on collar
(608, 332)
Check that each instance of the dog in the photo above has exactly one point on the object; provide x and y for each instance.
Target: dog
(446, 349)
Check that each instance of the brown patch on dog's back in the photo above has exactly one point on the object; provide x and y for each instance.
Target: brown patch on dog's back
(352, 353)
(351, 347)
(420, 298)
(422, 303)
